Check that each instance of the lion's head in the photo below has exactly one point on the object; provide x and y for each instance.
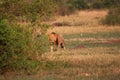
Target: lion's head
(52, 37)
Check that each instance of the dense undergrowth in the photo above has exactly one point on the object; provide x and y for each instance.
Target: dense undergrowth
(20, 48)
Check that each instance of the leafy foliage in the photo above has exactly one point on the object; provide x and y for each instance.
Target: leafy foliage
(18, 49)
(66, 7)
(79, 4)
(113, 17)
(21, 46)
(99, 4)
(27, 10)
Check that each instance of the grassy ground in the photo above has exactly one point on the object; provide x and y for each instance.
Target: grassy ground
(92, 51)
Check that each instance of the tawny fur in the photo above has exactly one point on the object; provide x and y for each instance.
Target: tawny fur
(56, 39)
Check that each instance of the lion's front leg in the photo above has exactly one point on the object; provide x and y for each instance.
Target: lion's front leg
(51, 48)
(58, 47)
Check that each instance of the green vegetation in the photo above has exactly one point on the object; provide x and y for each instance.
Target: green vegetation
(34, 10)
(90, 44)
(113, 17)
(87, 40)
(100, 4)
(24, 47)
(19, 50)
(24, 10)
(105, 35)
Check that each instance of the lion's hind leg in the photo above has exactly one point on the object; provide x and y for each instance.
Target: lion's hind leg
(63, 46)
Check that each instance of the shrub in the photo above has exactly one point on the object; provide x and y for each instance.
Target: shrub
(79, 4)
(113, 17)
(63, 8)
(100, 4)
(66, 7)
(18, 49)
(27, 10)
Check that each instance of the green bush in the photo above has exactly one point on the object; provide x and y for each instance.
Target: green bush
(100, 4)
(113, 17)
(27, 10)
(66, 7)
(63, 8)
(18, 49)
(78, 4)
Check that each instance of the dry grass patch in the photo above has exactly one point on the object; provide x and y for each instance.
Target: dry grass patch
(92, 63)
(80, 30)
(78, 54)
(83, 18)
(83, 22)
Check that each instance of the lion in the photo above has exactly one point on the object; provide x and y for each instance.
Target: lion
(56, 39)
